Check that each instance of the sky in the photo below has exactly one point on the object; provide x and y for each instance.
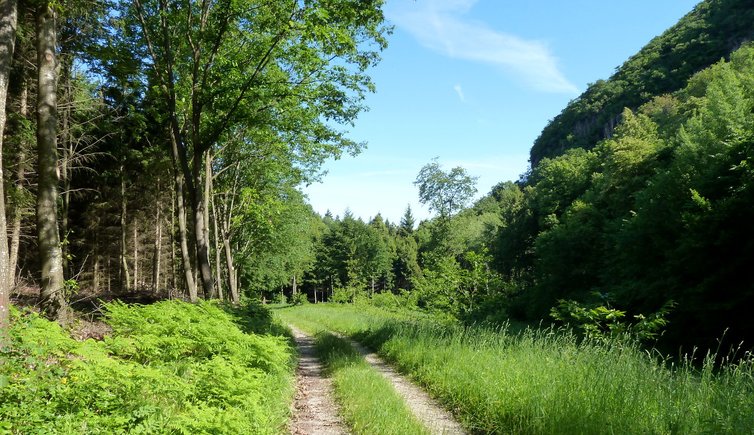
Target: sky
(473, 83)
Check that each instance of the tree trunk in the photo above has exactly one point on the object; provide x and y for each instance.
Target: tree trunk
(51, 257)
(295, 288)
(232, 277)
(173, 261)
(157, 243)
(202, 247)
(65, 162)
(96, 272)
(125, 274)
(207, 198)
(97, 257)
(15, 240)
(8, 19)
(218, 248)
(136, 254)
(188, 269)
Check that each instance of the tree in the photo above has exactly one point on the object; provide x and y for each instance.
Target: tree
(229, 65)
(405, 264)
(50, 253)
(407, 222)
(8, 20)
(445, 192)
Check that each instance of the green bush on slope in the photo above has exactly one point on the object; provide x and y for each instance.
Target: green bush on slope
(170, 367)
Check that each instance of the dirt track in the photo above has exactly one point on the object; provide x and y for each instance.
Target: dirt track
(317, 413)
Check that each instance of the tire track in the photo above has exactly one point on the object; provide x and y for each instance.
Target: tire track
(315, 411)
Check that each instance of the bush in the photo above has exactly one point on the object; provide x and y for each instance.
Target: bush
(603, 322)
(347, 295)
(300, 299)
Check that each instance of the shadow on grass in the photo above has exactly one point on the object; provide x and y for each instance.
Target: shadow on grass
(252, 317)
(336, 353)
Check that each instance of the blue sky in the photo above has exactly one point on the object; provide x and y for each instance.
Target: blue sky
(473, 82)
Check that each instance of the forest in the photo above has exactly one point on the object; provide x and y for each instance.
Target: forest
(154, 151)
(167, 144)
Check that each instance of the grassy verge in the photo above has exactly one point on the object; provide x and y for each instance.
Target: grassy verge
(369, 403)
(169, 367)
(548, 381)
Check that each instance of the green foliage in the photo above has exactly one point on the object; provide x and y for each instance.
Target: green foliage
(170, 367)
(356, 255)
(605, 322)
(300, 299)
(660, 211)
(391, 301)
(444, 192)
(348, 295)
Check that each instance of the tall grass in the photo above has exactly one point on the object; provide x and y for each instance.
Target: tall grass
(549, 381)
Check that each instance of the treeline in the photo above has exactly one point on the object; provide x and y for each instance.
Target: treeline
(170, 141)
(656, 218)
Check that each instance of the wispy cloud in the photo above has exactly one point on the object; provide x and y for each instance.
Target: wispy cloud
(440, 25)
(459, 91)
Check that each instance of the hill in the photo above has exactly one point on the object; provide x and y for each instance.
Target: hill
(713, 30)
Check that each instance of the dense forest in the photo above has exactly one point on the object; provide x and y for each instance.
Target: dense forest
(159, 149)
(170, 141)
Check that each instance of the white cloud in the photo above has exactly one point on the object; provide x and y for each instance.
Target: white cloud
(459, 91)
(440, 25)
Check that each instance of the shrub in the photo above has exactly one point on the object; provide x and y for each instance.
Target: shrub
(168, 367)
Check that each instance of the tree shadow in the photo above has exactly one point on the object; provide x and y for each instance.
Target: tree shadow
(252, 317)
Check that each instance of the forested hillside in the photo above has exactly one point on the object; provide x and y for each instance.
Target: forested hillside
(710, 32)
(647, 231)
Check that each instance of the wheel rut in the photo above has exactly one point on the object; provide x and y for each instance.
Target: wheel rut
(435, 418)
(317, 413)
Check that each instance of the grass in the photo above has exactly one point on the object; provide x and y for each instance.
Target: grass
(368, 401)
(549, 381)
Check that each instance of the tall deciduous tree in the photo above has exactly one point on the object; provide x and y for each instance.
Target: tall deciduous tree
(225, 65)
(445, 192)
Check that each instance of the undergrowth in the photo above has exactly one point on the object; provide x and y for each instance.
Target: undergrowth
(170, 367)
(549, 380)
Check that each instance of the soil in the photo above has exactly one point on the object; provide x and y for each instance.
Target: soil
(433, 417)
(315, 411)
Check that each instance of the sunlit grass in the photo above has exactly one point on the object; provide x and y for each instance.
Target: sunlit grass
(548, 381)
(369, 403)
